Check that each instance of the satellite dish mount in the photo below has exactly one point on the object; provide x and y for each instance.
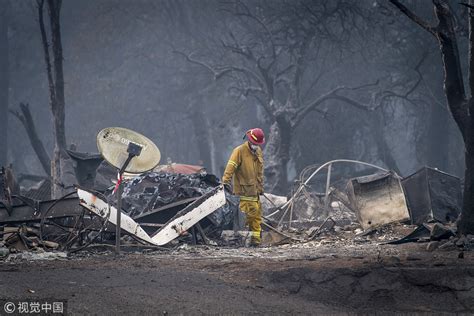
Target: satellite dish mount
(116, 143)
(133, 150)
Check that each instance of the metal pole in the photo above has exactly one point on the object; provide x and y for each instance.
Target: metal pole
(133, 150)
(284, 214)
(291, 213)
(328, 183)
(119, 218)
(194, 233)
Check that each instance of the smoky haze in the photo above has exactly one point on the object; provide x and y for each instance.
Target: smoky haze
(157, 67)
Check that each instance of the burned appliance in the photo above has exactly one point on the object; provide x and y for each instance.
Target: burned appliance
(433, 195)
(378, 199)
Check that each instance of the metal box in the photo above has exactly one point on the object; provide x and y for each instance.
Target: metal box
(378, 199)
(433, 195)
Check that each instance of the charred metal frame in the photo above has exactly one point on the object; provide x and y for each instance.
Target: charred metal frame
(29, 213)
(288, 206)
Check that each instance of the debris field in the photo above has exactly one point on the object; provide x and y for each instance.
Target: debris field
(375, 242)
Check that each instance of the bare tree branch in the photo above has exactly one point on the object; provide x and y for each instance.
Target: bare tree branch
(264, 85)
(220, 71)
(446, 37)
(420, 76)
(224, 70)
(466, 5)
(240, 50)
(197, 62)
(246, 91)
(415, 18)
(312, 106)
(249, 15)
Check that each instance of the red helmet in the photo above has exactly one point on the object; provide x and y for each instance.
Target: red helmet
(256, 136)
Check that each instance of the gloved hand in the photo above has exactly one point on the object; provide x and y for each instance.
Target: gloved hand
(227, 188)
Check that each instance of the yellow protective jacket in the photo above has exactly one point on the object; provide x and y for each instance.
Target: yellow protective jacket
(247, 169)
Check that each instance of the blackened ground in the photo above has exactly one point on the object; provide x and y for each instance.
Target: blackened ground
(313, 278)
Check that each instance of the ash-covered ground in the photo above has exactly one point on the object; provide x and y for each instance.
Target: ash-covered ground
(334, 274)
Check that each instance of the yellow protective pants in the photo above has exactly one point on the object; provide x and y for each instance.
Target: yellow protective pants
(253, 212)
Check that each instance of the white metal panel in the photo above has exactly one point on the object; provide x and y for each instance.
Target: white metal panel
(192, 214)
(100, 207)
(179, 225)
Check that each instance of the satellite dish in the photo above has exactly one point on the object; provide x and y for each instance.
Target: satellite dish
(114, 145)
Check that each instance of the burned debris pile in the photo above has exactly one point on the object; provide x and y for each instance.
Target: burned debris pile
(148, 196)
(176, 204)
(150, 201)
(379, 207)
(154, 190)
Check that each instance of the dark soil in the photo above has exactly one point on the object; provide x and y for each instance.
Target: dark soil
(311, 279)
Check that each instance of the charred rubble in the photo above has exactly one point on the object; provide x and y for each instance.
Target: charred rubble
(376, 207)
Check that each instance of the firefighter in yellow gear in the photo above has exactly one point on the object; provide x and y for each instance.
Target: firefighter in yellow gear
(245, 166)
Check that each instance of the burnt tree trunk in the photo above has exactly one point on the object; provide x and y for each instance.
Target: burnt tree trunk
(457, 100)
(4, 82)
(437, 153)
(54, 8)
(466, 224)
(383, 149)
(26, 119)
(459, 104)
(202, 134)
(277, 156)
(62, 170)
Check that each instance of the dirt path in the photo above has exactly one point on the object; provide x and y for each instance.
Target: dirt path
(315, 279)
